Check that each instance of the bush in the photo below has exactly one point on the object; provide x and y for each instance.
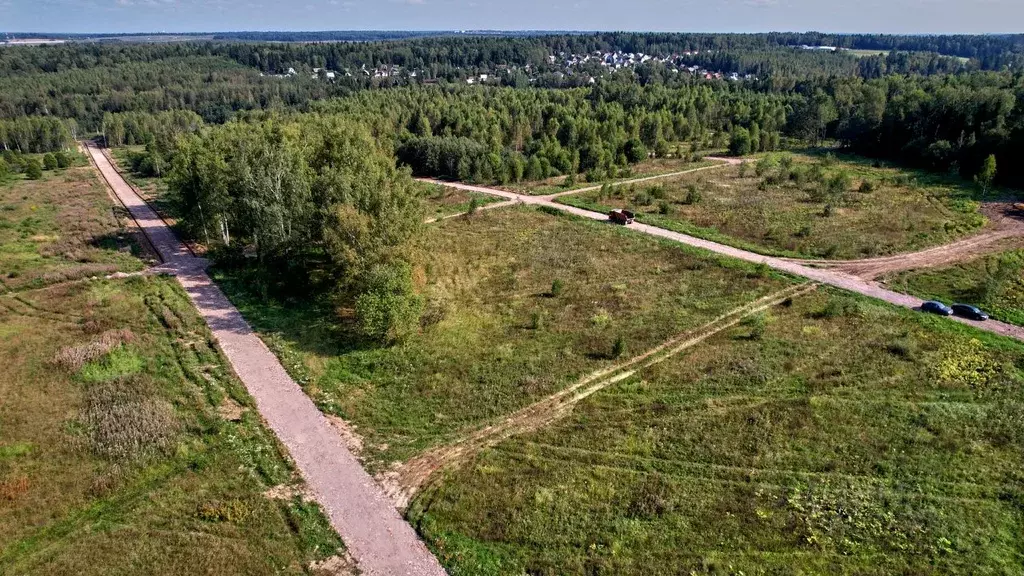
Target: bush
(757, 326)
(866, 187)
(693, 195)
(63, 160)
(557, 287)
(49, 162)
(474, 205)
(743, 169)
(33, 170)
(664, 208)
(619, 347)
(536, 320)
(389, 309)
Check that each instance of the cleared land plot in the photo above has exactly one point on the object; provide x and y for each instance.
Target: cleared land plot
(994, 283)
(787, 212)
(841, 436)
(497, 333)
(652, 167)
(62, 227)
(127, 446)
(441, 201)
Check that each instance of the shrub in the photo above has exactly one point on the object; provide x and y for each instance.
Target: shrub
(49, 162)
(33, 170)
(866, 187)
(536, 320)
(63, 160)
(664, 208)
(827, 211)
(474, 205)
(743, 169)
(693, 195)
(765, 165)
(619, 347)
(557, 287)
(389, 310)
(642, 199)
(757, 325)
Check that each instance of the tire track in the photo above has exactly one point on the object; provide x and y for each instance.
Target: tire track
(402, 482)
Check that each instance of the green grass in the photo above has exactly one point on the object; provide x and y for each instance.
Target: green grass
(994, 283)
(493, 339)
(851, 437)
(116, 453)
(59, 228)
(907, 210)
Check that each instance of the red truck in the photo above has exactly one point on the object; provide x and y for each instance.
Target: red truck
(619, 216)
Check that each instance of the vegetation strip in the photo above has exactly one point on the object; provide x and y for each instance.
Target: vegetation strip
(403, 483)
(378, 538)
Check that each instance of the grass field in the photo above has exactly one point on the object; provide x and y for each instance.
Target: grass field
(127, 446)
(494, 335)
(994, 283)
(652, 167)
(785, 212)
(61, 227)
(842, 437)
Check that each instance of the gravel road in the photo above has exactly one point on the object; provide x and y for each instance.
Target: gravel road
(376, 536)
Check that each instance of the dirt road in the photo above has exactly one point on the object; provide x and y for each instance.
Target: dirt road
(376, 536)
(823, 275)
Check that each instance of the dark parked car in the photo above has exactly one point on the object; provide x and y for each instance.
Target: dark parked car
(933, 307)
(623, 217)
(968, 311)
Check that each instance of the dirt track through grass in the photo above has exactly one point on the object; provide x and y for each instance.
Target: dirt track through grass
(402, 483)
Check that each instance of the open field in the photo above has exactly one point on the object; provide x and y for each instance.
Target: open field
(61, 227)
(994, 283)
(127, 445)
(786, 212)
(652, 167)
(837, 435)
(497, 333)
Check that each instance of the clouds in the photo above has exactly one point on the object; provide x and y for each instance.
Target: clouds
(889, 16)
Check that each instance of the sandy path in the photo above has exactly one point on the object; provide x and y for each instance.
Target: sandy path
(831, 277)
(375, 534)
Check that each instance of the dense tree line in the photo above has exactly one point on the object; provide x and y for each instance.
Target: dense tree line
(30, 134)
(502, 134)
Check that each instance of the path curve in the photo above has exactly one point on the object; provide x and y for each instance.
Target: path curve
(828, 276)
(381, 542)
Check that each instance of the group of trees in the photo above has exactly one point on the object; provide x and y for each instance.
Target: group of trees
(311, 203)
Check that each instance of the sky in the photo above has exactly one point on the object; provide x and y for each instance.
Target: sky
(885, 16)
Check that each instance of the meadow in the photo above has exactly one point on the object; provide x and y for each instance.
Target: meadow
(127, 445)
(803, 205)
(836, 435)
(62, 227)
(520, 303)
(994, 283)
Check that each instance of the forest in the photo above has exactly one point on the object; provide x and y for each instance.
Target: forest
(309, 174)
